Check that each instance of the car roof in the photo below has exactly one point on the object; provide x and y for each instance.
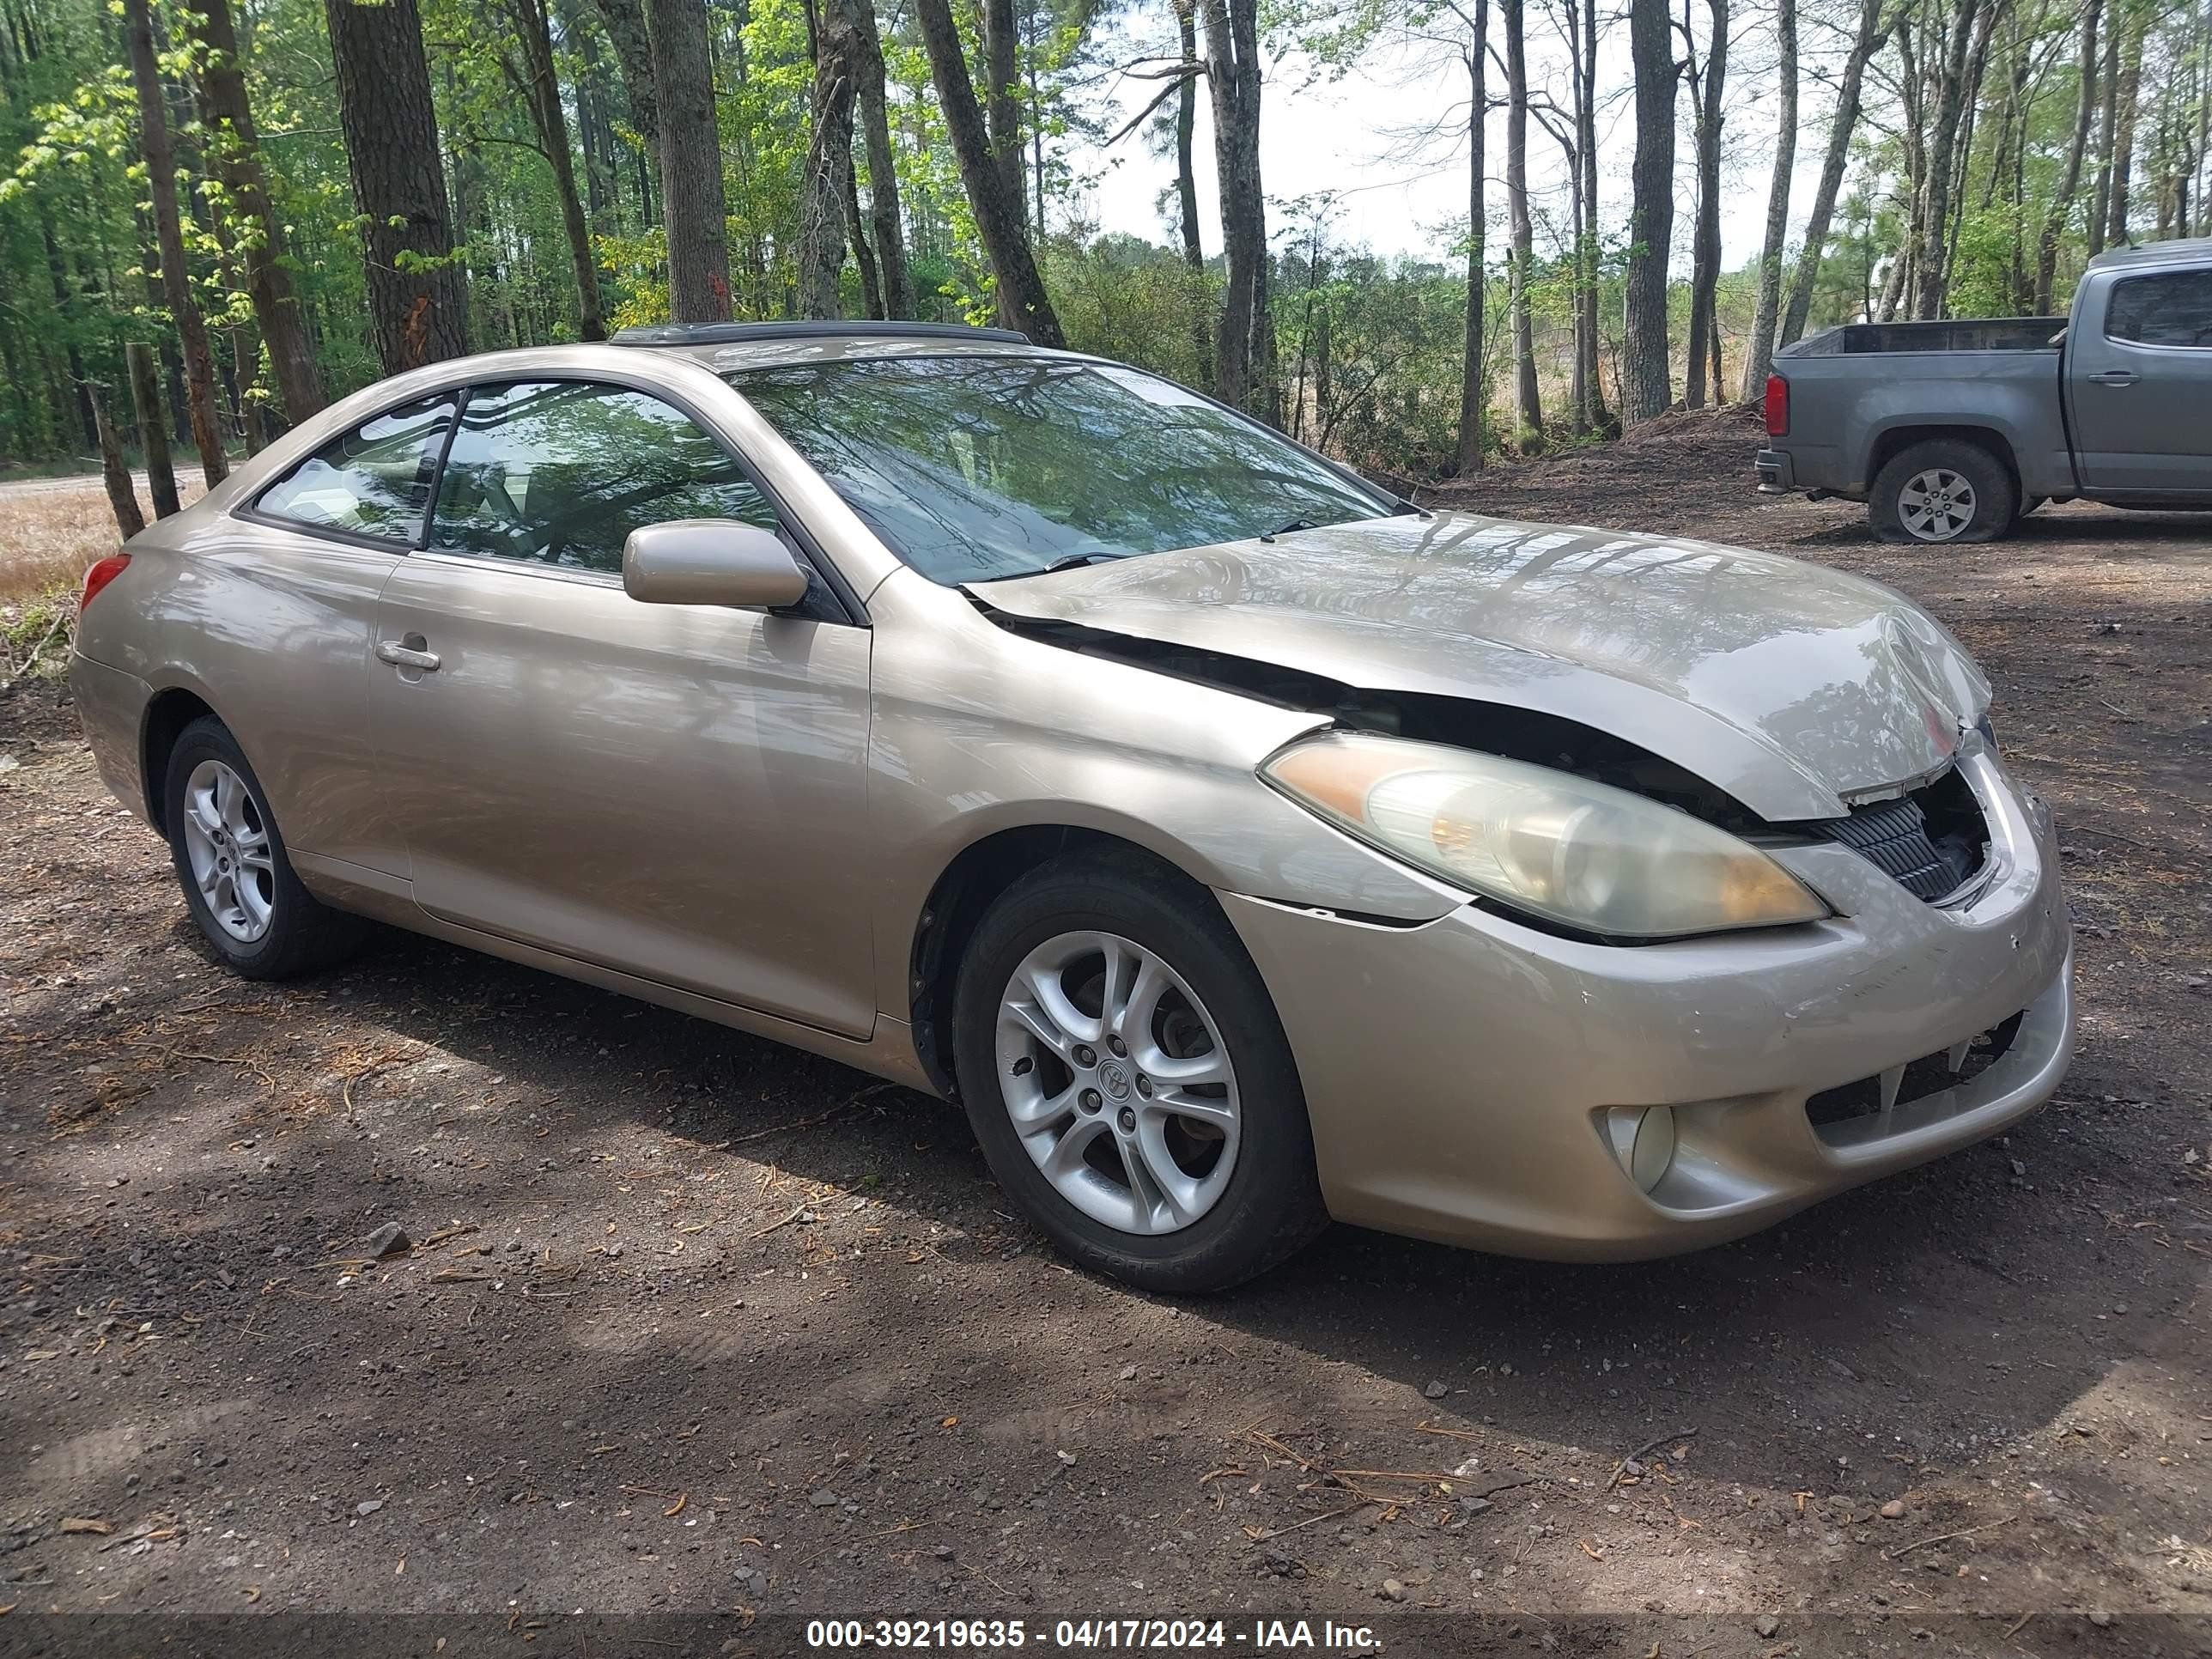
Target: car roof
(2188, 249)
(726, 346)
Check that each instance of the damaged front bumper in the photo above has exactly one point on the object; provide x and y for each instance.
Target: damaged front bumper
(1475, 1081)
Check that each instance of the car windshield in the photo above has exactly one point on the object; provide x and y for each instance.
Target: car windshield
(973, 468)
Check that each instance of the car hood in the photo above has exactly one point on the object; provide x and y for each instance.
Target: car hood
(1795, 688)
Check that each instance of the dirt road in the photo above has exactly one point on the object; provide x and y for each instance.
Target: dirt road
(693, 1325)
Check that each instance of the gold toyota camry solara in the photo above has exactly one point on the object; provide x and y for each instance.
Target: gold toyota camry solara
(1241, 845)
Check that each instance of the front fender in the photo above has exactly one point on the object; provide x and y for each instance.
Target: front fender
(976, 730)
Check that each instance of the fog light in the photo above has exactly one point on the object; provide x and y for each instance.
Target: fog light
(1644, 1140)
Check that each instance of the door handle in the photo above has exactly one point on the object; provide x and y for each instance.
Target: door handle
(400, 655)
(2113, 377)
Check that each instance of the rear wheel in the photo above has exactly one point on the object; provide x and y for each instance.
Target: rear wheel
(1130, 1083)
(230, 860)
(1942, 490)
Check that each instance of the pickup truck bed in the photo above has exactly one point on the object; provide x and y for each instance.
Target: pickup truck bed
(1952, 431)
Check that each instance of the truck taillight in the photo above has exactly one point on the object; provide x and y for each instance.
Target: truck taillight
(102, 573)
(1778, 407)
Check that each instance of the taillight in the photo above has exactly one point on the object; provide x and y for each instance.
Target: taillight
(102, 573)
(1778, 407)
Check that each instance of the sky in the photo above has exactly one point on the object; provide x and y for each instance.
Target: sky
(1349, 137)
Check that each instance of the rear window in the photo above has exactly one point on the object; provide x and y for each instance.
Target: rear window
(2171, 308)
(374, 482)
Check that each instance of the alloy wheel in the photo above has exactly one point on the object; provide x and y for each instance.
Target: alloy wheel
(1118, 1083)
(1936, 505)
(227, 845)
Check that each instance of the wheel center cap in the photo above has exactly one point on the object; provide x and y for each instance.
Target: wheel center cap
(1114, 1078)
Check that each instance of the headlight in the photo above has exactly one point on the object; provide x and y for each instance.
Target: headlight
(1585, 854)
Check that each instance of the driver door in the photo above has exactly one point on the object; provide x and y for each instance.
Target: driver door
(676, 792)
(2140, 383)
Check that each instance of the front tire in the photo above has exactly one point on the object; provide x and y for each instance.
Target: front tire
(1129, 1081)
(1943, 491)
(230, 861)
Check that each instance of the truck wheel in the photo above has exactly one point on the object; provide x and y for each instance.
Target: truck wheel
(1942, 490)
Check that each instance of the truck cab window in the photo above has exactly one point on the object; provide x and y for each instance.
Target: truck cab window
(2170, 308)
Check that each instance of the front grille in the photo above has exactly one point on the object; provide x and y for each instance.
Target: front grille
(1930, 841)
(1927, 1075)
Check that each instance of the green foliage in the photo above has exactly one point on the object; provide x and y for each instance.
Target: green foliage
(1369, 354)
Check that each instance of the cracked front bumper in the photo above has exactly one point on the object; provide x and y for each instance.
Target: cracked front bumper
(1460, 1074)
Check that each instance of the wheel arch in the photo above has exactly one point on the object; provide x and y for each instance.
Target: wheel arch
(967, 887)
(1995, 442)
(168, 712)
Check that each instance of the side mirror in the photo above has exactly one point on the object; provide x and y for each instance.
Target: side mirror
(710, 561)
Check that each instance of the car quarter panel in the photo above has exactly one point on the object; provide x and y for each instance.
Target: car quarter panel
(978, 729)
(1843, 406)
(272, 629)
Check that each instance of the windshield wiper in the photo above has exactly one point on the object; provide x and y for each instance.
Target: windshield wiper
(1077, 560)
(1286, 529)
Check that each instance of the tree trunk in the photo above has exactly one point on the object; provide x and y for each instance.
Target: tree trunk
(632, 44)
(1969, 27)
(1244, 352)
(1595, 417)
(829, 177)
(115, 473)
(1469, 457)
(999, 221)
(168, 231)
(1001, 101)
(2203, 129)
(634, 56)
(694, 208)
(58, 276)
(1759, 350)
(1647, 383)
(1705, 245)
(1186, 138)
(418, 309)
(2123, 144)
(541, 90)
(1865, 45)
(883, 164)
(234, 148)
(2108, 119)
(1527, 407)
(2062, 203)
(152, 429)
(864, 252)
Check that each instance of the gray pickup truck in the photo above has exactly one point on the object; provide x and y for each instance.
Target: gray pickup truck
(1952, 431)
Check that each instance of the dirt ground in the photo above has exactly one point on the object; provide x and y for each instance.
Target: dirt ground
(693, 1328)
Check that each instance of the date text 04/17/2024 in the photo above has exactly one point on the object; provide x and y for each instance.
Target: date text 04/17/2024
(995, 1635)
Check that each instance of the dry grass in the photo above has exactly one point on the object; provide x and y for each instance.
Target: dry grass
(49, 533)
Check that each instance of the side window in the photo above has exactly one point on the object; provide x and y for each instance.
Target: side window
(559, 472)
(2173, 308)
(374, 480)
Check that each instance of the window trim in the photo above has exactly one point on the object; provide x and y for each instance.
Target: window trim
(844, 604)
(848, 609)
(2112, 294)
(252, 511)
